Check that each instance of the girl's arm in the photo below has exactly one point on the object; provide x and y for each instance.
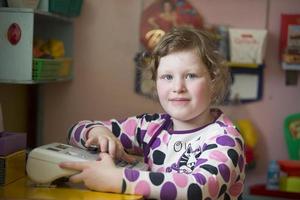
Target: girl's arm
(219, 172)
(125, 131)
(129, 132)
(211, 180)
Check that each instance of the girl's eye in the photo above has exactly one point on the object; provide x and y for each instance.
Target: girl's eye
(167, 77)
(191, 76)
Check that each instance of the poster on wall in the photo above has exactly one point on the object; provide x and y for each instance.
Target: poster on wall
(246, 86)
(159, 17)
(289, 46)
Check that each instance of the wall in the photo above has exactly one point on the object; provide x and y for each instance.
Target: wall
(14, 101)
(106, 40)
(18, 110)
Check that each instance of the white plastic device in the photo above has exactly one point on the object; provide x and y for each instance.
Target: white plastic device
(43, 162)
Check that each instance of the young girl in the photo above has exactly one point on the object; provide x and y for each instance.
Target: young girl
(193, 150)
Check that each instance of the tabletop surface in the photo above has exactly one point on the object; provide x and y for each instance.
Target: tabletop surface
(25, 189)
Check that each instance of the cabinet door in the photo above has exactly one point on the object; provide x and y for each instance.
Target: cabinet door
(16, 59)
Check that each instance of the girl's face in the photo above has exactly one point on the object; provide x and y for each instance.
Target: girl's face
(184, 86)
(167, 7)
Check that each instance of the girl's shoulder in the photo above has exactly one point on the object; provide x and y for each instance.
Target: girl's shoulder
(225, 125)
(153, 117)
(222, 119)
(157, 119)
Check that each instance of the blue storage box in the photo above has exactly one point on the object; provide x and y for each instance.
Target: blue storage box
(69, 8)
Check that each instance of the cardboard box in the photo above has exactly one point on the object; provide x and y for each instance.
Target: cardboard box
(12, 167)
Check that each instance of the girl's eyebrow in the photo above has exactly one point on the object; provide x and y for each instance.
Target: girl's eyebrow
(164, 71)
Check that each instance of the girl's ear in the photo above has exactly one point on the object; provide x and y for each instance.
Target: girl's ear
(212, 90)
(212, 83)
(214, 75)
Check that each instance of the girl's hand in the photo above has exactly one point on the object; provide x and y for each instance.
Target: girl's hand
(108, 143)
(100, 175)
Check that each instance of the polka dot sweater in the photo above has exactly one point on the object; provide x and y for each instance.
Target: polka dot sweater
(204, 163)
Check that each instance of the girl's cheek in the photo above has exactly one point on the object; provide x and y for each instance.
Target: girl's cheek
(200, 90)
(162, 87)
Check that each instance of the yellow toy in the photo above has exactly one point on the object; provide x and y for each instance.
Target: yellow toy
(56, 48)
(248, 132)
(52, 48)
(249, 135)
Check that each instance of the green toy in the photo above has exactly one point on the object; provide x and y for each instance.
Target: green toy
(292, 135)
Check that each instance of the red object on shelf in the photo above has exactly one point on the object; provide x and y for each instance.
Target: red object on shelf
(291, 167)
(14, 33)
(261, 190)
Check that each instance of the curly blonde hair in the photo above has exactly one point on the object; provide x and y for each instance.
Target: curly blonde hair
(185, 38)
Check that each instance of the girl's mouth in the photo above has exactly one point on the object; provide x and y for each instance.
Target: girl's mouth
(179, 101)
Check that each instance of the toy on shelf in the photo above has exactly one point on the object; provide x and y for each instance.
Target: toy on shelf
(49, 61)
(290, 182)
(273, 175)
(52, 49)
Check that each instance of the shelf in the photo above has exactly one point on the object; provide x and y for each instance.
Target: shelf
(38, 12)
(260, 189)
(245, 65)
(34, 82)
(53, 15)
(294, 67)
(17, 59)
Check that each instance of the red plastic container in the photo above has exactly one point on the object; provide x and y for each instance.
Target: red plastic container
(291, 167)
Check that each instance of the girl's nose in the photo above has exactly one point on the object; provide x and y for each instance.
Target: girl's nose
(179, 86)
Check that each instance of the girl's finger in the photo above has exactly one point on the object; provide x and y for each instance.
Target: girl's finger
(112, 148)
(119, 150)
(128, 158)
(105, 156)
(103, 143)
(79, 166)
(90, 141)
(77, 178)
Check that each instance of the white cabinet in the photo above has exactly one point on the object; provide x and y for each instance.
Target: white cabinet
(16, 57)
